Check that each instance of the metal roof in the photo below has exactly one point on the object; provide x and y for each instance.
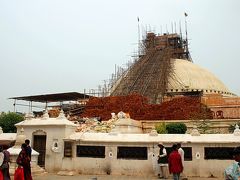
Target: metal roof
(59, 97)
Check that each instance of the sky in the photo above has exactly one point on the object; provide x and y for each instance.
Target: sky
(55, 46)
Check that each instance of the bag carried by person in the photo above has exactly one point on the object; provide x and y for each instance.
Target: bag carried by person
(19, 174)
(1, 175)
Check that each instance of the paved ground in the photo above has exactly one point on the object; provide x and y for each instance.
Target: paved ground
(101, 177)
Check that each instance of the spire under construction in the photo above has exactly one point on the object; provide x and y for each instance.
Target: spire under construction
(149, 75)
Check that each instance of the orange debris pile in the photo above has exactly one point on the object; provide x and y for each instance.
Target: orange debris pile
(138, 108)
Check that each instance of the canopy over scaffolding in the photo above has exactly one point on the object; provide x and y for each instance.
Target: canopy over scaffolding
(74, 101)
(59, 97)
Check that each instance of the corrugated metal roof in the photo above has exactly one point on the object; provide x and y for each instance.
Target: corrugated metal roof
(69, 96)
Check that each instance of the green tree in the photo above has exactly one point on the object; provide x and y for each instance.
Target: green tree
(7, 121)
(204, 126)
(161, 128)
(176, 128)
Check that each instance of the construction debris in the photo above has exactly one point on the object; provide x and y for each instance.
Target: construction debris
(138, 108)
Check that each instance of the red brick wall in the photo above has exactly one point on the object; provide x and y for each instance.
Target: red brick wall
(223, 107)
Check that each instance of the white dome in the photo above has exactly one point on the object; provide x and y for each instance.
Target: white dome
(187, 76)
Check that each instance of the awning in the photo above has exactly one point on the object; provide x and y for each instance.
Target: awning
(70, 96)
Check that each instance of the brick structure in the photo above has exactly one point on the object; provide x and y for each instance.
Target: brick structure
(222, 107)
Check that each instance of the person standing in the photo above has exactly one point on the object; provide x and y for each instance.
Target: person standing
(181, 152)
(1, 161)
(175, 163)
(232, 172)
(24, 161)
(5, 165)
(29, 149)
(162, 161)
(29, 153)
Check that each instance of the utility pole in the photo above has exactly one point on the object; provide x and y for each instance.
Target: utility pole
(138, 38)
(187, 52)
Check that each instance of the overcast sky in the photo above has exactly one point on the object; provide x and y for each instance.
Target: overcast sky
(54, 46)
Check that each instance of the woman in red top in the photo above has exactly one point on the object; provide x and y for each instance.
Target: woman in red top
(175, 163)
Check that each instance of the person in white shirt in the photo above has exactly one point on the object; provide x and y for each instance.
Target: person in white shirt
(181, 152)
(1, 155)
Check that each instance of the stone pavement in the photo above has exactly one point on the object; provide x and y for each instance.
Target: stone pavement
(49, 176)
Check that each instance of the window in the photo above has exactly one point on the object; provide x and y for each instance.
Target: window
(187, 153)
(219, 114)
(222, 153)
(67, 149)
(138, 153)
(91, 151)
(213, 113)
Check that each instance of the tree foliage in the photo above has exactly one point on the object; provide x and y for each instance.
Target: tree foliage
(8, 120)
(204, 127)
(176, 128)
(171, 128)
(161, 128)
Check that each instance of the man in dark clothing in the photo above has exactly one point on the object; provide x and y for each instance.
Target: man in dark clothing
(24, 161)
(175, 163)
(29, 149)
(29, 153)
(162, 161)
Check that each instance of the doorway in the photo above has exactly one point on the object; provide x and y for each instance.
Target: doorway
(39, 145)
